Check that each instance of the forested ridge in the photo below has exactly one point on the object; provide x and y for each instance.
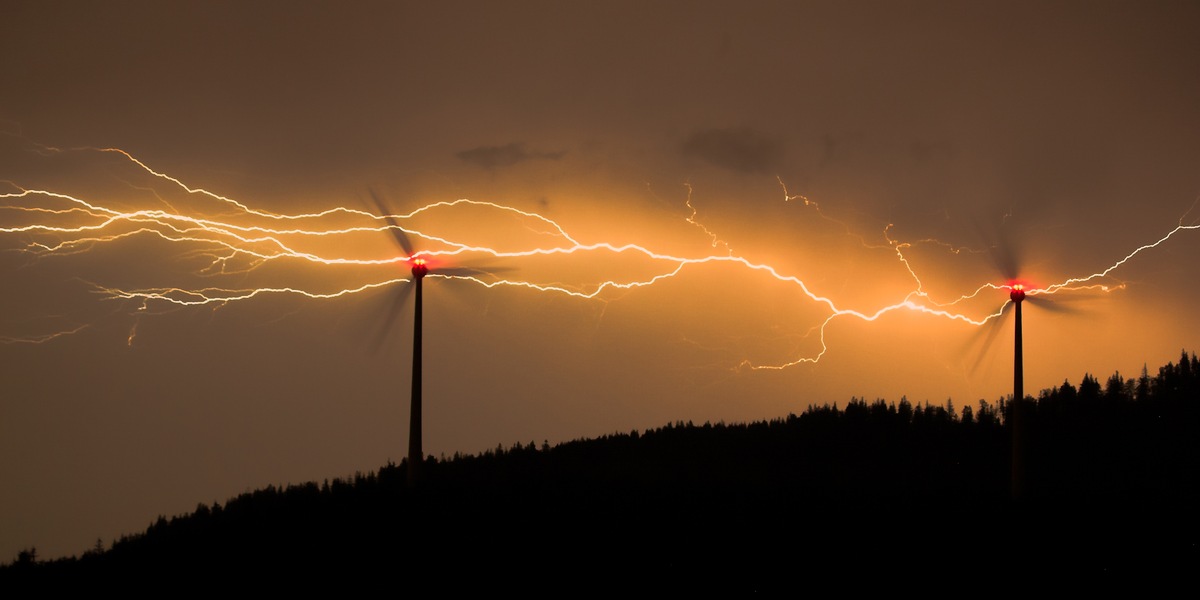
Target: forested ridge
(1110, 490)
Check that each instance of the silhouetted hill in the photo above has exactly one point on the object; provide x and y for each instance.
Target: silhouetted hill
(877, 493)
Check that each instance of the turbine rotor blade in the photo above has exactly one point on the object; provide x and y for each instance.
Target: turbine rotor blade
(470, 271)
(398, 302)
(989, 331)
(394, 227)
(1001, 251)
(1054, 306)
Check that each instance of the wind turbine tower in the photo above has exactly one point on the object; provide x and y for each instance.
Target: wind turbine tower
(415, 455)
(1017, 295)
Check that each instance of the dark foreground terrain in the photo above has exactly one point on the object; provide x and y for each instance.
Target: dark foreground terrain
(875, 495)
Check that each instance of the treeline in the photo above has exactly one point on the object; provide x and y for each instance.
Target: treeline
(1128, 440)
(1109, 465)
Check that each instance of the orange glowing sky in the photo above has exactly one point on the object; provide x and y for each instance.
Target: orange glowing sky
(739, 173)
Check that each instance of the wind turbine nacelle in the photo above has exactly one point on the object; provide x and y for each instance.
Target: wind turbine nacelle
(1017, 294)
(419, 268)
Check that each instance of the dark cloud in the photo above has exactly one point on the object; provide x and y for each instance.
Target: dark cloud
(742, 150)
(491, 157)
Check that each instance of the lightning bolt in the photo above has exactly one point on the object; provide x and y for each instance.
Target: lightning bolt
(1080, 283)
(225, 238)
(41, 339)
(716, 241)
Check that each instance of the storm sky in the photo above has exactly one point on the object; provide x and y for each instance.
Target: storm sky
(864, 151)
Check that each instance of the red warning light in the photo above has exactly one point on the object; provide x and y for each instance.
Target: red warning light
(1018, 292)
(419, 268)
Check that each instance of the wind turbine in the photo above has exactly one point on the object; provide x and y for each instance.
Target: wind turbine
(1003, 253)
(420, 268)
